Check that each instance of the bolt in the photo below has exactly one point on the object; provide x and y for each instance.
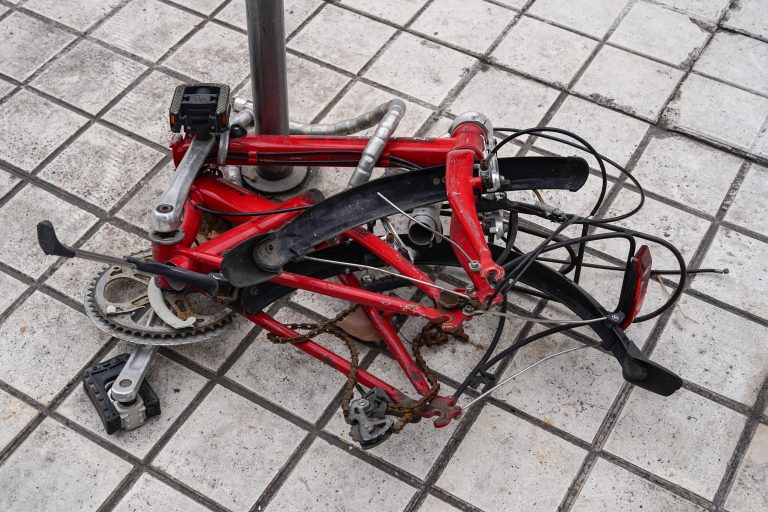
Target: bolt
(164, 208)
(475, 266)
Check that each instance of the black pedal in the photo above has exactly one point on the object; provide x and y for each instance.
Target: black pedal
(201, 109)
(97, 380)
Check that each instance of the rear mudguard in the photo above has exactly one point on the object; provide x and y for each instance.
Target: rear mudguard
(636, 368)
(261, 258)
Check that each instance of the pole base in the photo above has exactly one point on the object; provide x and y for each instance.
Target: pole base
(253, 179)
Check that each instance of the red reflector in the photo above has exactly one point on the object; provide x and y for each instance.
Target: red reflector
(636, 285)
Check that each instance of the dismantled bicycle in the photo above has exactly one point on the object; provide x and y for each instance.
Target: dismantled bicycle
(220, 249)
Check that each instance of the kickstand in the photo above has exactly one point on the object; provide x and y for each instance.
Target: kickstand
(119, 391)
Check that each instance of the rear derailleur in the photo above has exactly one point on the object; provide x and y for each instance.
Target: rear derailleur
(367, 416)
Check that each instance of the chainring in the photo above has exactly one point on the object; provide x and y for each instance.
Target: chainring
(117, 302)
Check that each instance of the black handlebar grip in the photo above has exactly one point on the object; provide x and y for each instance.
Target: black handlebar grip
(49, 242)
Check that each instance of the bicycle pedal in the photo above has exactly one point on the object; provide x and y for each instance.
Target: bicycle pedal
(97, 380)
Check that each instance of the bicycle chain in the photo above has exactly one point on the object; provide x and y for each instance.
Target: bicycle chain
(432, 335)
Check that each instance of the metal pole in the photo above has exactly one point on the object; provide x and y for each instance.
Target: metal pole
(266, 44)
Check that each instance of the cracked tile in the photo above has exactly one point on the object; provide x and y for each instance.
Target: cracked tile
(353, 41)
(687, 171)
(146, 28)
(214, 451)
(44, 352)
(81, 474)
(683, 438)
(429, 72)
(31, 128)
(716, 111)
(327, 478)
(27, 43)
(447, 21)
(101, 166)
(643, 92)
(18, 221)
(747, 260)
(660, 33)
(88, 76)
(529, 457)
(715, 349)
(543, 51)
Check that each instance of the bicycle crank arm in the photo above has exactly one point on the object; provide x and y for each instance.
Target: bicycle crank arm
(177, 277)
(261, 258)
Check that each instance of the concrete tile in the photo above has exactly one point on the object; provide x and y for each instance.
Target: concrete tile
(543, 51)
(7, 182)
(421, 68)
(432, 504)
(101, 166)
(610, 133)
(56, 469)
(214, 451)
(749, 491)
(736, 59)
(296, 11)
(643, 92)
(144, 110)
(508, 99)
(149, 493)
(398, 11)
(27, 43)
(176, 387)
(660, 33)
(417, 447)
(323, 305)
(215, 54)
(310, 88)
(687, 171)
(447, 21)
(78, 14)
(12, 290)
(583, 15)
(717, 111)
(572, 392)
(18, 221)
(288, 377)
(710, 10)
(45, 352)
(747, 260)
(31, 128)
(136, 211)
(5, 88)
(14, 417)
(326, 478)
(203, 6)
(529, 458)
(683, 230)
(714, 349)
(354, 39)
(88, 76)
(146, 28)
(362, 97)
(750, 200)
(683, 438)
(760, 146)
(750, 16)
(75, 275)
(612, 489)
(213, 352)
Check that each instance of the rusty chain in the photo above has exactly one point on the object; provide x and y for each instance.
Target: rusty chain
(431, 335)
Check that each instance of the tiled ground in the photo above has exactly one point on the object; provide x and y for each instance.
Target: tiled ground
(675, 89)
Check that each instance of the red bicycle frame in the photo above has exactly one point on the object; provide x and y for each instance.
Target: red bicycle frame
(459, 154)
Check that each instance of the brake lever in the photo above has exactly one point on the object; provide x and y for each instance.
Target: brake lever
(210, 284)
